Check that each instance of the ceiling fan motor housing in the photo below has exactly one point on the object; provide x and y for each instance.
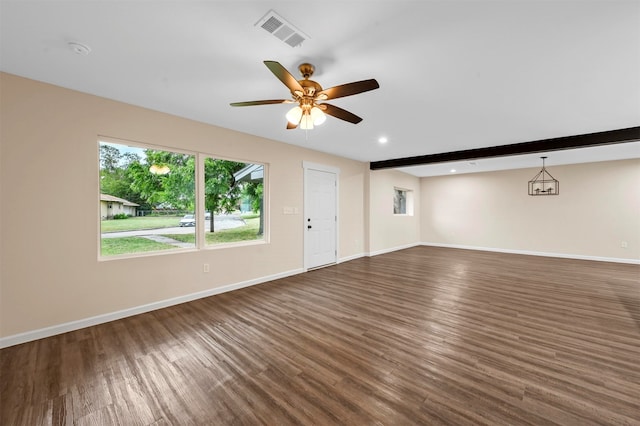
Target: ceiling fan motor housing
(306, 69)
(310, 87)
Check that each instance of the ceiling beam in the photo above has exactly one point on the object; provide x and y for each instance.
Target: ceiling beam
(630, 134)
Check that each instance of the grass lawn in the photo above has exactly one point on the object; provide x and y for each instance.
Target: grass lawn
(125, 245)
(137, 223)
(242, 233)
(130, 245)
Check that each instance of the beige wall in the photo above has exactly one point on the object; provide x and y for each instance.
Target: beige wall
(386, 230)
(50, 273)
(49, 268)
(598, 208)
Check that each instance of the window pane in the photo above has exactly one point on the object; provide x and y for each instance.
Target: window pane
(233, 195)
(146, 197)
(400, 202)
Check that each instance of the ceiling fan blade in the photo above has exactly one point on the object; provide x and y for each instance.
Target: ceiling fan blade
(291, 125)
(348, 89)
(284, 76)
(340, 113)
(265, 102)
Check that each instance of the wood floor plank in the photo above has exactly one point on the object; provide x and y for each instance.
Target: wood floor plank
(425, 335)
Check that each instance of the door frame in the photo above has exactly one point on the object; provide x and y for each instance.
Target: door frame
(308, 165)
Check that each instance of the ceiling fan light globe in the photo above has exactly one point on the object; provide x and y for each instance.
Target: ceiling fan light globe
(317, 116)
(294, 115)
(306, 123)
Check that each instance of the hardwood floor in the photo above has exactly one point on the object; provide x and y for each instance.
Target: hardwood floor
(419, 336)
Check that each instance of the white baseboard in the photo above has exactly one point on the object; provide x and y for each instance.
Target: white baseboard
(353, 257)
(537, 253)
(28, 336)
(392, 249)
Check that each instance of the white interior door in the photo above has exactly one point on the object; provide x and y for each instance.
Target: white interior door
(321, 218)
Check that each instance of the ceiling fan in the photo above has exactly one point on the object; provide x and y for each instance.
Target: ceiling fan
(307, 93)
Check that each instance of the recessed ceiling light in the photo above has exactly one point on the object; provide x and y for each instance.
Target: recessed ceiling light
(383, 139)
(79, 48)
(452, 170)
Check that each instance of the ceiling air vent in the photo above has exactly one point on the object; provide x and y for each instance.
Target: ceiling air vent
(283, 30)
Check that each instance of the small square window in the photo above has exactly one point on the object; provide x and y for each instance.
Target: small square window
(402, 202)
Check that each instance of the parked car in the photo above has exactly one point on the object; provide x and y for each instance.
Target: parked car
(188, 220)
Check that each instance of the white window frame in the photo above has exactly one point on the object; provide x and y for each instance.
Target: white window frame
(408, 201)
(201, 243)
(199, 193)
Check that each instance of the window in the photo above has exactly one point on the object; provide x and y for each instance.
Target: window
(233, 199)
(144, 194)
(150, 200)
(402, 202)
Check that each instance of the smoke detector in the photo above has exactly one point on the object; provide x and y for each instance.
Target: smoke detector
(79, 48)
(280, 28)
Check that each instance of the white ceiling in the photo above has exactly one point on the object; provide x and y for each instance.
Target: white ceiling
(454, 75)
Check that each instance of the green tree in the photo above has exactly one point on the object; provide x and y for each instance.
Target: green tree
(145, 183)
(220, 189)
(176, 188)
(253, 190)
(127, 176)
(179, 184)
(109, 158)
(114, 179)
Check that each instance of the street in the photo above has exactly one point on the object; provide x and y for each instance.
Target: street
(220, 223)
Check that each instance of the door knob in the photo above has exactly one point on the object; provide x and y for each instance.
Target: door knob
(308, 226)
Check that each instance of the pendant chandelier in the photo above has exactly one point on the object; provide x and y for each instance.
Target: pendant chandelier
(543, 183)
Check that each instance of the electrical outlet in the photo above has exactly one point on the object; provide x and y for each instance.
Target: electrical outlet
(205, 267)
(624, 244)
